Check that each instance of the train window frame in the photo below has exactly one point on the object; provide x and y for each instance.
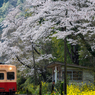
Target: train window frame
(12, 77)
(3, 76)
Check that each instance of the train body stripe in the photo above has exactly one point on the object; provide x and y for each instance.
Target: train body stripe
(6, 86)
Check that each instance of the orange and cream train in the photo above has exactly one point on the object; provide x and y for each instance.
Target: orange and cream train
(8, 79)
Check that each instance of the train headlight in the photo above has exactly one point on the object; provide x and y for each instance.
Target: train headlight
(10, 68)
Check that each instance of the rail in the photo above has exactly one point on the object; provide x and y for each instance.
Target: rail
(24, 94)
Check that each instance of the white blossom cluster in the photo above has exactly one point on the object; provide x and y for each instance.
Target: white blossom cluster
(47, 15)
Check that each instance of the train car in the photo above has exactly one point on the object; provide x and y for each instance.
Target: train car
(8, 85)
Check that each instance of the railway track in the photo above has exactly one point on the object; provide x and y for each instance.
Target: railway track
(19, 94)
(24, 94)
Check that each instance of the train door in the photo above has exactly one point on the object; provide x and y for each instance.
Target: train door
(2, 81)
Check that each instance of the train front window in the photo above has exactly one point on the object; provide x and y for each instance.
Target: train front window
(10, 75)
(1, 76)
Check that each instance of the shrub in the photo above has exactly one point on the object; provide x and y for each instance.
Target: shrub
(73, 89)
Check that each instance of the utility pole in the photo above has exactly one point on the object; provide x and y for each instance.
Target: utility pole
(65, 60)
(65, 67)
(35, 78)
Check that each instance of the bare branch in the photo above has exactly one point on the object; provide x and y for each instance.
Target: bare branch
(22, 62)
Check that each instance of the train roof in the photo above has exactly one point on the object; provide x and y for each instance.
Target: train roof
(7, 65)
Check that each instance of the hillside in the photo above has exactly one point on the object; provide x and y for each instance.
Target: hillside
(2, 2)
(6, 6)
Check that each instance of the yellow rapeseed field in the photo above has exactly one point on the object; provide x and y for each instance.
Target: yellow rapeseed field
(77, 90)
(80, 90)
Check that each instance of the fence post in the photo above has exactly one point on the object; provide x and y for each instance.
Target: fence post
(40, 90)
(52, 90)
(62, 88)
(27, 91)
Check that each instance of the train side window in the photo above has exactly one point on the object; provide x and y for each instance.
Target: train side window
(10, 75)
(1, 76)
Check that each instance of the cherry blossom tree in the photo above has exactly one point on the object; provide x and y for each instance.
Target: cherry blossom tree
(71, 19)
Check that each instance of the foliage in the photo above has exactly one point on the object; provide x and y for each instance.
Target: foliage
(58, 50)
(72, 89)
(6, 6)
(20, 81)
(58, 86)
(3, 1)
(3, 10)
(19, 2)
